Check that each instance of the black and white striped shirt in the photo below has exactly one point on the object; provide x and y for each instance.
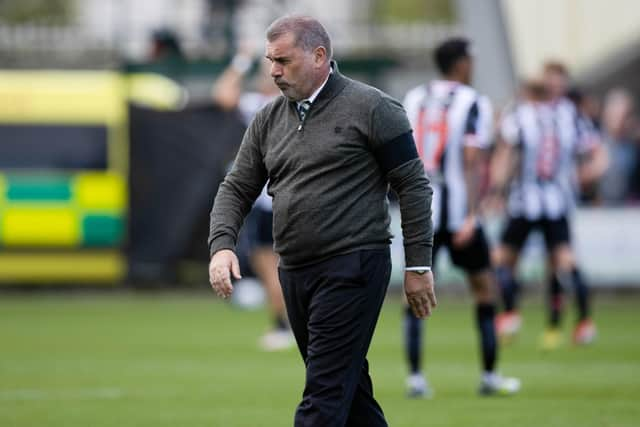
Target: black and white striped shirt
(548, 137)
(446, 116)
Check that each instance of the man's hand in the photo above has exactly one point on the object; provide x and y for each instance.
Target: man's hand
(420, 293)
(465, 233)
(222, 265)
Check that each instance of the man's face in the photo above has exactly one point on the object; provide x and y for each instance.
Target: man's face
(293, 70)
(466, 69)
(556, 83)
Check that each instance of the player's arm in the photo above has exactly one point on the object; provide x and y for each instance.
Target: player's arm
(395, 152)
(234, 199)
(593, 166)
(474, 144)
(593, 159)
(227, 89)
(502, 167)
(471, 157)
(504, 161)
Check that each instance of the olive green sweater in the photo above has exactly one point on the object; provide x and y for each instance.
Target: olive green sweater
(329, 177)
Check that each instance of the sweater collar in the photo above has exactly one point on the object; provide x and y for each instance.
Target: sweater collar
(315, 94)
(333, 86)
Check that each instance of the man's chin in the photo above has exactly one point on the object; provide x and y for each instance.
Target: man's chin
(288, 93)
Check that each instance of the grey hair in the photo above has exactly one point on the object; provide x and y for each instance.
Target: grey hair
(307, 31)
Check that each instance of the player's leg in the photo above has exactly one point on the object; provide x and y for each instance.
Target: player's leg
(568, 273)
(417, 385)
(505, 259)
(264, 262)
(551, 338)
(474, 259)
(413, 333)
(568, 276)
(585, 330)
(555, 298)
(482, 285)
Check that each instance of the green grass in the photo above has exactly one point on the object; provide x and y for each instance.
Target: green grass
(191, 360)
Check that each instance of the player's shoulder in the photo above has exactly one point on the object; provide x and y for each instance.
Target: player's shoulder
(485, 106)
(520, 108)
(417, 92)
(471, 96)
(565, 102)
(467, 90)
(567, 107)
(512, 114)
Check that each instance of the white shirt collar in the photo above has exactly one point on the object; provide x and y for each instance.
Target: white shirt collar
(315, 94)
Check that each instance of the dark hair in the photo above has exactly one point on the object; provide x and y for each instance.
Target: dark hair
(308, 32)
(449, 52)
(166, 42)
(556, 67)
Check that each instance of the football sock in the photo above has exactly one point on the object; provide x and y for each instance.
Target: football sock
(485, 314)
(280, 323)
(556, 301)
(582, 294)
(509, 287)
(413, 340)
(574, 280)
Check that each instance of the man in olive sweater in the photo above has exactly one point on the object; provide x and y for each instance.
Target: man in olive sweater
(329, 147)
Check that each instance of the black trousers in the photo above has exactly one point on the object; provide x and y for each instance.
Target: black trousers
(333, 307)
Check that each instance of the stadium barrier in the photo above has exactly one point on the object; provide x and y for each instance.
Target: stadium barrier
(603, 238)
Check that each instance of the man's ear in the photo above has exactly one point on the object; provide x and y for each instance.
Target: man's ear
(320, 55)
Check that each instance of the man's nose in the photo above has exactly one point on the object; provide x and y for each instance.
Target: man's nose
(276, 70)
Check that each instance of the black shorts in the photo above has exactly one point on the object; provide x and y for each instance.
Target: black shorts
(472, 258)
(259, 228)
(555, 231)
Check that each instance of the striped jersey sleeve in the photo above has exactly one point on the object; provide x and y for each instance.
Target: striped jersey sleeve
(479, 126)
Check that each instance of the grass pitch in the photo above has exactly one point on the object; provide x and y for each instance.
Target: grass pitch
(191, 360)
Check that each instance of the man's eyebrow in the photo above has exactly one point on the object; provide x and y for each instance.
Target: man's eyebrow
(276, 58)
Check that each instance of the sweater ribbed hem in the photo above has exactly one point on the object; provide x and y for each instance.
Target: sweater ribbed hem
(224, 242)
(417, 255)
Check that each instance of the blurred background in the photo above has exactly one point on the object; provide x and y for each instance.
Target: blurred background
(112, 147)
(114, 139)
